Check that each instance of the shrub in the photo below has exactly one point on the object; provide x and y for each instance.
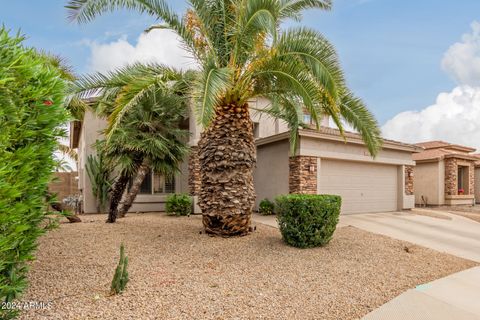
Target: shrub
(120, 278)
(307, 220)
(32, 94)
(266, 207)
(179, 204)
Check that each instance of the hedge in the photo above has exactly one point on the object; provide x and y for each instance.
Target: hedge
(307, 220)
(31, 115)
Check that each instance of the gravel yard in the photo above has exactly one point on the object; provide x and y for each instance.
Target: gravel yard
(178, 273)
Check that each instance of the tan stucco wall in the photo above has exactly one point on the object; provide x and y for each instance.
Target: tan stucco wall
(477, 185)
(430, 182)
(310, 146)
(271, 173)
(90, 132)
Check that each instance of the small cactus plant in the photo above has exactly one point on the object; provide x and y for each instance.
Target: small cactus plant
(120, 278)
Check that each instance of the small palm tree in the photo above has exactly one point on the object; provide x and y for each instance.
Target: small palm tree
(147, 134)
(244, 53)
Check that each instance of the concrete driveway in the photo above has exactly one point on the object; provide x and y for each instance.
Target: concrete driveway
(452, 297)
(457, 235)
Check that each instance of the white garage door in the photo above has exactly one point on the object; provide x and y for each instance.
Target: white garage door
(364, 187)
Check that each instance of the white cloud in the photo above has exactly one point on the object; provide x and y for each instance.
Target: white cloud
(455, 117)
(162, 46)
(462, 59)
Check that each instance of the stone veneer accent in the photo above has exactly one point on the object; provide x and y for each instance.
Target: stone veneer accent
(409, 180)
(194, 181)
(471, 178)
(451, 173)
(303, 175)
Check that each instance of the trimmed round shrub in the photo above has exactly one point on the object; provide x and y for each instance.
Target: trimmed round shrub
(266, 207)
(179, 205)
(307, 220)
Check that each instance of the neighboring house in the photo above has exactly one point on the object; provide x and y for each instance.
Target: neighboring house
(477, 178)
(445, 174)
(324, 162)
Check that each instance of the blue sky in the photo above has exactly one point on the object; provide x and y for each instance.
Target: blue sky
(391, 50)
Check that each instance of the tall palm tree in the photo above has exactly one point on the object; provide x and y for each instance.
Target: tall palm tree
(244, 53)
(147, 134)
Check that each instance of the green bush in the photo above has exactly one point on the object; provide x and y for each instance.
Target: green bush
(179, 204)
(120, 277)
(31, 115)
(266, 207)
(307, 220)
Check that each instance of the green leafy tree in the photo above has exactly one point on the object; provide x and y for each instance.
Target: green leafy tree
(32, 94)
(243, 53)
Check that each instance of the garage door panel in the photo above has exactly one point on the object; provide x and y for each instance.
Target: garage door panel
(364, 187)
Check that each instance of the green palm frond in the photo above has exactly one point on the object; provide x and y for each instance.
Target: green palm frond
(69, 152)
(293, 8)
(209, 88)
(243, 52)
(354, 111)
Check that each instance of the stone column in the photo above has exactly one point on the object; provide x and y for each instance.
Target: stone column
(451, 173)
(409, 180)
(471, 178)
(303, 175)
(194, 181)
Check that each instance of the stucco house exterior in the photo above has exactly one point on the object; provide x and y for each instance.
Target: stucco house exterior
(477, 178)
(445, 174)
(324, 162)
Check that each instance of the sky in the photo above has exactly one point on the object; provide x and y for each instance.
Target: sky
(415, 63)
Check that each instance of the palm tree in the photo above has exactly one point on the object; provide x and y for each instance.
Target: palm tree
(244, 53)
(147, 135)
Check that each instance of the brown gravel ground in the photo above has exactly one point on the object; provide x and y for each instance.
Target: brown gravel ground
(472, 213)
(178, 273)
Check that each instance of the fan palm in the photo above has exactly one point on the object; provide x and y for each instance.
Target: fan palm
(244, 53)
(148, 135)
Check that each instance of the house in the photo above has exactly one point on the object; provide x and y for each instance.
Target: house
(477, 179)
(445, 174)
(324, 162)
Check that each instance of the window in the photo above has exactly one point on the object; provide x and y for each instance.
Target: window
(256, 130)
(462, 180)
(157, 184)
(307, 119)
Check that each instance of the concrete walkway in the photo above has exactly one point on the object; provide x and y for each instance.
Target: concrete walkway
(454, 297)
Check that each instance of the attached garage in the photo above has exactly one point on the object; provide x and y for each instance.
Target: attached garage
(364, 187)
(326, 163)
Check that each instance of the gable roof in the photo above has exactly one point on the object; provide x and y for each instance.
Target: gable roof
(436, 144)
(328, 133)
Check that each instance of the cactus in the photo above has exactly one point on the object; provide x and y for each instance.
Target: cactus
(120, 278)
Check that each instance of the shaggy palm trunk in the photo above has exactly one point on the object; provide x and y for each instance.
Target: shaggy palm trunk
(227, 157)
(129, 197)
(117, 191)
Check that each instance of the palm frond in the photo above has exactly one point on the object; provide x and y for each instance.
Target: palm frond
(209, 88)
(354, 111)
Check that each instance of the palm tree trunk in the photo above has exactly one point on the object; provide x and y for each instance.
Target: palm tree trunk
(117, 191)
(227, 157)
(129, 197)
